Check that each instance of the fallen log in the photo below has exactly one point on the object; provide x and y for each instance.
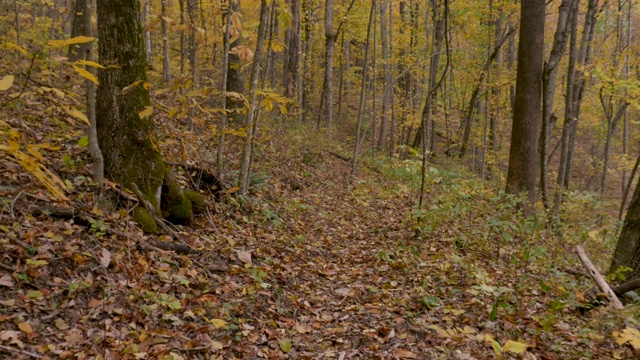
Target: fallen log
(598, 278)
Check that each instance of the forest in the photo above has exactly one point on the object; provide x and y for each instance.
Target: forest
(319, 179)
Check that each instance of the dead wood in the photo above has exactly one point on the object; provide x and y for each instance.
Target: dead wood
(597, 277)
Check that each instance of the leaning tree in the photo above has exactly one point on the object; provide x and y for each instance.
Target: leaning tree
(126, 131)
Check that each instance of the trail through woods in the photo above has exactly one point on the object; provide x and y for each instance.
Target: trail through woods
(307, 268)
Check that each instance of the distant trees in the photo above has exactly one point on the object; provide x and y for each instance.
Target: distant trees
(527, 111)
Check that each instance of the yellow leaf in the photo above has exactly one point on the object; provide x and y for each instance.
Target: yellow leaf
(628, 335)
(86, 74)
(13, 46)
(33, 150)
(126, 89)
(439, 330)
(219, 323)
(71, 41)
(89, 63)
(25, 327)
(496, 345)
(6, 82)
(515, 347)
(146, 112)
(77, 114)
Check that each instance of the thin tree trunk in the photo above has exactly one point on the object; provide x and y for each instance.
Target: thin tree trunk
(578, 58)
(386, 100)
(566, 15)
(166, 65)
(293, 52)
(249, 122)
(225, 73)
(327, 88)
(94, 148)
(147, 34)
(365, 67)
(392, 91)
(440, 19)
(468, 118)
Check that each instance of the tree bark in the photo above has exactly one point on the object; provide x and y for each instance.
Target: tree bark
(566, 16)
(627, 251)
(235, 81)
(329, 45)
(386, 100)
(127, 141)
(293, 52)
(527, 113)
(78, 28)
(166, 65)
(94, 149)
(250, 118)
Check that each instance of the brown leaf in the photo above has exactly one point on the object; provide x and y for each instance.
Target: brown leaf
(94, 303)
(245, 257)
(5, 280)
(105, 258)
(404, 354)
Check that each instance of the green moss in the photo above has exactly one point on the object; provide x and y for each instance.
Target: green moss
(198, 202)
(145, 220)
(176, 207)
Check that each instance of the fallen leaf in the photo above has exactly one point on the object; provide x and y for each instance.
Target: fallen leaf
(245, 257)
(60, 324)
(303, 328)
(105, 258)
(628, 335)
(5, 280)
(515, 347)
(218, 323)
(405, 354)
(285, 345)
(94, 303)
(25, 327)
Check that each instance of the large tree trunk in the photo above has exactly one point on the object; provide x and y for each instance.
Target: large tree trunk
(627, 251)
(126, 138)
(527, 113)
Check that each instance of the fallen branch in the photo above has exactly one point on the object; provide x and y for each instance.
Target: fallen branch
(597, 277)
(6, 267)
(18, 351)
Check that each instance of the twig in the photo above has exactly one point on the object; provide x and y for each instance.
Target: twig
(6, 267)
(13, 204)
(18, 351)
(595, 274)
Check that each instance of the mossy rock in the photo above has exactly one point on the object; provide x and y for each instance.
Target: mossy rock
(145, 220)
(198, 202)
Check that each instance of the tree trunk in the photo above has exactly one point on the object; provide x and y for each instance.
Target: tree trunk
(192, 11)
(566, 16)
(147, 34)
(330, 45)
(439, 32)
(527, 113)
(166, 65)
(235, 81)
(363, 87)
(293, 52)
(468, 118)
(578, 58)
(250, 118)
(627, 251)
(127, 140)
(386, 100)
(78, 28)
(94, 148)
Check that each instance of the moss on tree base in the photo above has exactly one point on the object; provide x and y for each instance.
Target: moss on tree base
(198, 202)
(145, 220)
(176, 207)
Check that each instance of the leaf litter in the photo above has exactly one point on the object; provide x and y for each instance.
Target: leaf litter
(312, 268)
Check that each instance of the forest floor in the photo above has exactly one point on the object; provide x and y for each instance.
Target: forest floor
(307, 267)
